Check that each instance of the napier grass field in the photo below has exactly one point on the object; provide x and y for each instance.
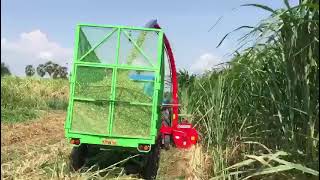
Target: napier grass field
(258, 116)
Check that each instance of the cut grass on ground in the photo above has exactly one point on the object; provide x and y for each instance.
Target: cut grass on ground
(37, 149)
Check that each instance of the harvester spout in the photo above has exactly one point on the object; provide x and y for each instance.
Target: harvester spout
(151, 23)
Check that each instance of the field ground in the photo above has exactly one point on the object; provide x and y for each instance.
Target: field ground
(37, 149)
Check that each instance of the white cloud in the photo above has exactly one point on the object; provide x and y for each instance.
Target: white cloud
(45, 55)
(32, 48)
(205, 62)
(3, 41)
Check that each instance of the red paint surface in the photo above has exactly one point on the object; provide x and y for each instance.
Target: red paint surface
(173, 78)
(182, 137)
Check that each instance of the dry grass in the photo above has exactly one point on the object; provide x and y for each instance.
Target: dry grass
(34, 132)
(189, 164)
(27, 148)
(37, 150)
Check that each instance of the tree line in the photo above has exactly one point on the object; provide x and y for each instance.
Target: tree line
(50, 68)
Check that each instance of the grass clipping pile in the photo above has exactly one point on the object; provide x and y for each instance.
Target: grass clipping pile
(92, 116)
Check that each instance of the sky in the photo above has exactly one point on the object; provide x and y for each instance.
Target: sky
(35, 31)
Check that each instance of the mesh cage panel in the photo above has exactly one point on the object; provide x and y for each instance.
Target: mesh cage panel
(138, 48)
(90, 117)
(91, 37)
(150, 46)
(93, 102)
(134, 86)
(93, 82)
(132, 120)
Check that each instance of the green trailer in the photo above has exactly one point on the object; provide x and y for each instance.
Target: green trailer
(116, 88)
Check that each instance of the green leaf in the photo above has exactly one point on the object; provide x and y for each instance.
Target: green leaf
(261, 6)
(286, 2)
(297, 166)
(241, 27)
(313, 5)
(252, 142)
(241, 164)
(271, 170)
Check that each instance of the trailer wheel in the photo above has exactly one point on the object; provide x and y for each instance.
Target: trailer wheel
(78, 156)
(151, 168)
(167, 141)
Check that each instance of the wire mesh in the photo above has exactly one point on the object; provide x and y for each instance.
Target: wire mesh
(138, 48)
(97, 45)
(94, 84)
(90, 117)
(131, 103)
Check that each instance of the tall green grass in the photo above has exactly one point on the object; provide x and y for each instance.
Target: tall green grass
(267, 101)
(25, 98)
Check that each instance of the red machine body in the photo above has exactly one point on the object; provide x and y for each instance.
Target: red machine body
(184, 135)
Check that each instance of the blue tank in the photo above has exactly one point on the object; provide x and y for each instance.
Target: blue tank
(148, 86)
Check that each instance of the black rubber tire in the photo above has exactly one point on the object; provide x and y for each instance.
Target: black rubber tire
(167, 141)
(131, 168)
(151, 168)
(78, 156)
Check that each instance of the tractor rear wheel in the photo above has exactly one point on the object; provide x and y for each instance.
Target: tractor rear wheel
(78, 156)
(151, 168)
(167, 141)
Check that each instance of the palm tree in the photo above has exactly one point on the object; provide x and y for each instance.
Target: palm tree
(41, 70)
(60, 72)
(64, 72)
(56, 70)
(29, 70)
(4, 69)
(49, 67)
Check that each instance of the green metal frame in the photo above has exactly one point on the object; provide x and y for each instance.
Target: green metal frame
(158, 69)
